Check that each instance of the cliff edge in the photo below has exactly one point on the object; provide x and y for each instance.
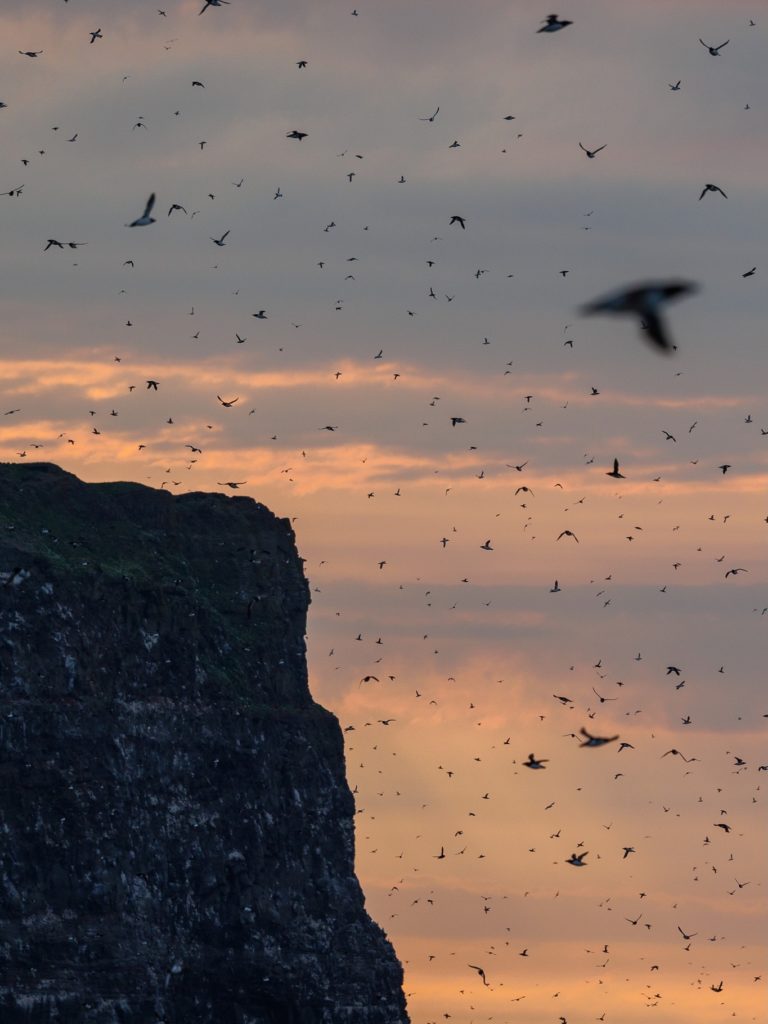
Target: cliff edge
(176, 830)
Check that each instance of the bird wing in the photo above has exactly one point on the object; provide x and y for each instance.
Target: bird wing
(656, 331)
(150, 204)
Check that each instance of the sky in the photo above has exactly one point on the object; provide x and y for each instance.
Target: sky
(453, 630)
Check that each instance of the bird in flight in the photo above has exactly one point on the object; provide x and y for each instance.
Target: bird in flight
(596, 741)
(553, 24)
(577, 859)
(228, 405)
(535, 763)
(645, 302)
(480, 971)
(592, 153)
(676, 86)
(456, 219)
(212, 3)
(234, 484)
(615, 471)
(714, 50)
(432, 117)
(712, 188)
(568, 533)
(220, 241)
(296, 135)
(145, 218)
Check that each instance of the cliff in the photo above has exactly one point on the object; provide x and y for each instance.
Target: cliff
(176, 830)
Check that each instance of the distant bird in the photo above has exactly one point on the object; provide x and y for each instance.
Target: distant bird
(553, 24)
(261, 315)
(96, 35)
(228, 405)
(456, 219)
(175, 206)
(750, 273)
(577, 859)
(735, 572)
(595, 741)
(676, 753)
(234, 484)
(145, 218)
(676, 86)
(30, 53)
(535, 763)
(431, 117)
(615, 472)
(457, 419)
(714, 50)
(296, 135)
(568, 533)
(592, 153)
(212, 3)
(644, 301)
(480, 971)
(220, 241)
(711, 188)
(301, 63)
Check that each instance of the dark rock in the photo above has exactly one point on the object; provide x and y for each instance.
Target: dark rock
(176, 830)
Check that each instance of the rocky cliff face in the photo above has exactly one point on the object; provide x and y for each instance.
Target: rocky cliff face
(176, 831)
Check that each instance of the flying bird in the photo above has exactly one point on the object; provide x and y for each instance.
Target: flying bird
(145, 218)
(553, 24)
(711, 188)
(592, 153)
(568, 533)
(595, 741)
(644, 301)
(480, 971)
(212, 3)
(615, 471)
(714, 50)
(577, 859)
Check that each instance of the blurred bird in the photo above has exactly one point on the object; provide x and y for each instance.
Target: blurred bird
(644, 301)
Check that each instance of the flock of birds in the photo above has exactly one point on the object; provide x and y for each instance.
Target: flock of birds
(379, 678)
